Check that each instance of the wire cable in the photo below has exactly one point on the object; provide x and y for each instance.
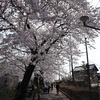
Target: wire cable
(97, 4)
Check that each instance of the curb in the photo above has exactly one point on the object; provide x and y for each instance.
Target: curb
(66, 95)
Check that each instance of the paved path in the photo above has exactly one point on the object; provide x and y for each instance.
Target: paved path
(53, 96)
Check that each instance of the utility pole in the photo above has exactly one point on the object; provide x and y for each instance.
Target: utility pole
(88, 71)
(71, 59)
(59, 73)
(72, 68)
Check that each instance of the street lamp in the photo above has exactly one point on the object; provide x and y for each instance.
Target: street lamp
(84, 19)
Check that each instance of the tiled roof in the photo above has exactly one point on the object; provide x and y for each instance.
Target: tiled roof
(80, 68)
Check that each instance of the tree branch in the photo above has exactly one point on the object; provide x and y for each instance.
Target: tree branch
(47, 49)
(13, 27)
(4, 29)
(14, 5)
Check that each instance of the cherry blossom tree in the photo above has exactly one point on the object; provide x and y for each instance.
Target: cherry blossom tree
(37, 32)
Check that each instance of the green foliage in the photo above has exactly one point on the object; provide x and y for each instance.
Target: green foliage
(58, 81)
(80, 83)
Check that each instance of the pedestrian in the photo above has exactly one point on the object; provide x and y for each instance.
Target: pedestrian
(48, 84)
(34, 91)
(57, 88)
(18, 85)
(51, 86)
(45, 87)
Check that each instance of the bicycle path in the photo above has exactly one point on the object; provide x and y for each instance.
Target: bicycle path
(53, 96)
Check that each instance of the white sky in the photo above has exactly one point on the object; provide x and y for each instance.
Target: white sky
(95, 3)
(93, 54)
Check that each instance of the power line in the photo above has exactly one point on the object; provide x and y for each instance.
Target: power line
(97, 4)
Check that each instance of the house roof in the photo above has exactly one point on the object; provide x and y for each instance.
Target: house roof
(98, 74)
(81, 68)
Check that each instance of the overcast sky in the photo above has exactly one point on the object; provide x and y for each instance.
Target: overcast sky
(95, 3)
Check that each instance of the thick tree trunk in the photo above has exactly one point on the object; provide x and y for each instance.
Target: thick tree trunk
(21, 91)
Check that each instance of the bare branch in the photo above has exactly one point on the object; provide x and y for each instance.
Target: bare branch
(4, 29)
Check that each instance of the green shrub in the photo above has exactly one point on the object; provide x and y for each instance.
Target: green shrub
(79, 90)
(6, 94)
(76, 93)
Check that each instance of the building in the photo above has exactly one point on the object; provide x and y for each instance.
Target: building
(81, 71)
(98, 75)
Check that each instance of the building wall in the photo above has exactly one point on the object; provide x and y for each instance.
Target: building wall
(9, 81)
(81, 75)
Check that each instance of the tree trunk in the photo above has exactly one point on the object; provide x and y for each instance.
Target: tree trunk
(21, 91)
